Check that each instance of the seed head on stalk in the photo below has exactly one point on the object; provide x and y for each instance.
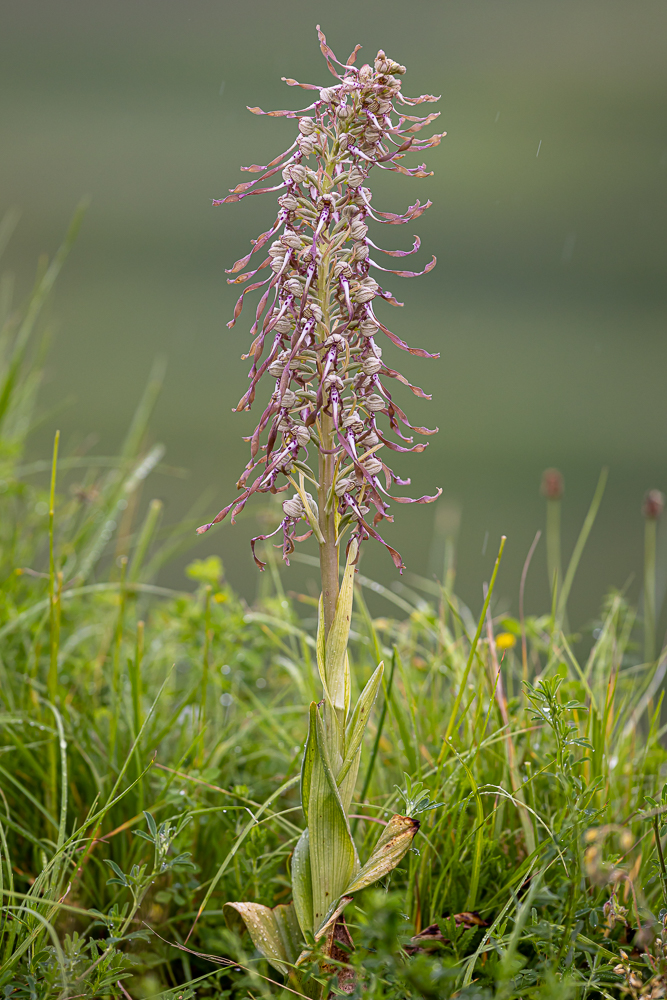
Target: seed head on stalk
(316, 329)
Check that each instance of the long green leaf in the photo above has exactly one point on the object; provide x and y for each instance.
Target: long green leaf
(337, 665)
(309, 755)
(302, 883)
(333, 856)
(357, 724)
(356, 727)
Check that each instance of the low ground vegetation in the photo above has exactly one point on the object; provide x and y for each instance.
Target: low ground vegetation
(152, 741)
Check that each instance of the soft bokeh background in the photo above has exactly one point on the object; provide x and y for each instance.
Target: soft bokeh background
(548, 304)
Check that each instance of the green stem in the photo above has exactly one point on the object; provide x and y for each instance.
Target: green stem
(473, 648)
(55, 589)
(650, 533)
(553, 543)
(661, 858)
(135, 684)
(115, 669)
(579, 547)
(205, 671)
(327, 462)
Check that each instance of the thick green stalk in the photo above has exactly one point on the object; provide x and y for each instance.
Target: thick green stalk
(327, 461)
(329, 549)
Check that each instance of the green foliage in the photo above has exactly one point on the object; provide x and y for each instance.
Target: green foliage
(156, 778)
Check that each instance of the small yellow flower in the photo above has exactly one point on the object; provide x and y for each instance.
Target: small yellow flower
(505, 640)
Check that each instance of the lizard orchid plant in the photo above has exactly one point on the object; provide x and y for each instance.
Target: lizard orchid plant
(315, 336)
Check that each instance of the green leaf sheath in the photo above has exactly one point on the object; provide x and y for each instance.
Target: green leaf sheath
(333, 856)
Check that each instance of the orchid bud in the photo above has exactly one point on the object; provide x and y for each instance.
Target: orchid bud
(371, 135)
(277, 263)
(307, 144)
(293, 286)
(385, 66)
(374, 403)
(297, 172)
(382, 63)
(344, 112)
(333, 381)
(335, 340)
(368, 440)
(371, 366)
(365, 290)
(358, 229)
(313, 311)
(283, 325)
(313, 505)
(330, 95)
(356, 177)
(288, 202)
(360, 251)
(290, 239)
(372, 465)
(352, 419)
(342, 269)
(288, 399)
(368, 328)
(294, 507)
(302, 436)
(307, 126)
(365, 73)
(344, 486)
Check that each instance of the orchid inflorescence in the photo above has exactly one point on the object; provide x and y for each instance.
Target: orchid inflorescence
(315, 326)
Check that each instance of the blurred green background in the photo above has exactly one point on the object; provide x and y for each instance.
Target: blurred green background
(548, 304)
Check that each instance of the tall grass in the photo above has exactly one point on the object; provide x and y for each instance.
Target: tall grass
(151, 745)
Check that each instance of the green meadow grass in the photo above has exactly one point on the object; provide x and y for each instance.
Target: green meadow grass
(151, 744)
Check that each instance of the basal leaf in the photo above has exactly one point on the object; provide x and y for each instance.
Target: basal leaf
(327, 925)
(394, 841)
(274, 932)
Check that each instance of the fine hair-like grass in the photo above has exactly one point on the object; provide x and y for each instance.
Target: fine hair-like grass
(151, 743)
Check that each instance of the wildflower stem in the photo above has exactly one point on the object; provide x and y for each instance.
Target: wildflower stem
(471, 657)
(661, 858)
(650, 533)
